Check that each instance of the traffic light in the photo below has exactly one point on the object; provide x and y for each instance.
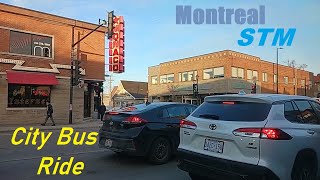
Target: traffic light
(77, 74)
(110, 24)
(195, 90)
(254, 89)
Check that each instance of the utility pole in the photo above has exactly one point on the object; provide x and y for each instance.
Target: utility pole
(71, 76)
(72, 83)
(278, 69)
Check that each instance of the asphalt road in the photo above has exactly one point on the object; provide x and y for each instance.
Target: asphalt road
(22, 162)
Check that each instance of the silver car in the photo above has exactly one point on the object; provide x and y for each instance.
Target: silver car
(256, 136)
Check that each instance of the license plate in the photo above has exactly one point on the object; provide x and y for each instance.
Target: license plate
(108, 143)
(213, 145)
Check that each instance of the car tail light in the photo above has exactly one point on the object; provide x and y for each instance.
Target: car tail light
(263, 133)
(187, 124)
(134, 120)
(113, 113)
(228, 102)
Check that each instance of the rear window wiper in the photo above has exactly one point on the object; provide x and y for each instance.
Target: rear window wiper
(209, 116)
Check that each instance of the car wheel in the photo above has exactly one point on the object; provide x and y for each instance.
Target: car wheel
(160, 151)
(304, 169)
(197, 177)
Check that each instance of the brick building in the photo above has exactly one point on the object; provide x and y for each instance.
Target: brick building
(35, 54)
(221, 73)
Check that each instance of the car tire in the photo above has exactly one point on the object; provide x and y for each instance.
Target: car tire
(304, 169)
(160, 151)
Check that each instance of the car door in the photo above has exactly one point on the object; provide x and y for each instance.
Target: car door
(316, 128)
(171, 117)
(307, 124)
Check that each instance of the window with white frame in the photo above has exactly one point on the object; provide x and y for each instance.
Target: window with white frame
(188, 76)
(286, 80)
(255, 75)
(275, 78)
(252, 74)
(249, 74)
(163, 79)
(237, 73)
(208, 74)
(211, 73)
(264, 77)
(154, 80)
(170, 78)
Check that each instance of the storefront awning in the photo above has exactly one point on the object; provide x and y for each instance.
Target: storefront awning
(15, 77)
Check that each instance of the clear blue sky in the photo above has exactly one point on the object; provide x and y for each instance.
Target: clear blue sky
(152, 35)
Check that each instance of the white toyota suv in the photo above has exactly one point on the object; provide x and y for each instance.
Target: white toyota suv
(256, 136)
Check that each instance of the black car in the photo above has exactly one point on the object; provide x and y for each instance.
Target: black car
(150, 130)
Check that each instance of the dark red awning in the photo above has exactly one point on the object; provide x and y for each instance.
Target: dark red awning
(15, 77)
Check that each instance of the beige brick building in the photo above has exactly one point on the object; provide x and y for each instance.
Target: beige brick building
(223, 72)
(35, 44)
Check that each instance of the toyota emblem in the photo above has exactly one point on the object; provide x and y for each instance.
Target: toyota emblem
(111, 123)
(213, 126)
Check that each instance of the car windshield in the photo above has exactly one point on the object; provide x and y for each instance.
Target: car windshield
(233, 111)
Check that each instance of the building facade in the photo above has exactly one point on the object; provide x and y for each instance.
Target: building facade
(35, 58)
(129, 93)
(223, 72)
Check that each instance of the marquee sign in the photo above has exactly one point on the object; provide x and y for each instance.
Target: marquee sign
(116, 46)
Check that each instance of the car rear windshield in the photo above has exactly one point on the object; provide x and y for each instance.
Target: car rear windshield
(233, 111)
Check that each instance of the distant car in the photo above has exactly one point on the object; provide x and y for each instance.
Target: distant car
(150, 130)
(269, 137)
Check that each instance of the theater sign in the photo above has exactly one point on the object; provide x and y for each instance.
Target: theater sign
(116, 46)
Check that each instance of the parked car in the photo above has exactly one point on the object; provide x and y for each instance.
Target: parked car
(317, 99)
(150, 130)
(252, 137)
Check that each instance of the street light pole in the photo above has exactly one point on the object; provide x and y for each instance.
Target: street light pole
(278, 70)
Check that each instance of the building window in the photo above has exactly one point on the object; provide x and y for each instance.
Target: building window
(252, 75)
(264, 77)
(30, 44)
(188, 76)
(275, 78)
(303, 82)
(310, 84)
(154, 80)
(217, 72)
(286, 80)
(163, 79)
(169, 78)
(28, 95)
(237, 73)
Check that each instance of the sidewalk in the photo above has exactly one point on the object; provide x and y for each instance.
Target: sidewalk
(93, 123)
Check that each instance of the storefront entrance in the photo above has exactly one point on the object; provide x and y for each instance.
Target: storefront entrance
(87, 101)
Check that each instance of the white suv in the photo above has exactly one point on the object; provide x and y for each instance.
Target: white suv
(256, 136)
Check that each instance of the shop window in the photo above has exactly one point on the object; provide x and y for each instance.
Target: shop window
(28, 95)
(30, 44)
